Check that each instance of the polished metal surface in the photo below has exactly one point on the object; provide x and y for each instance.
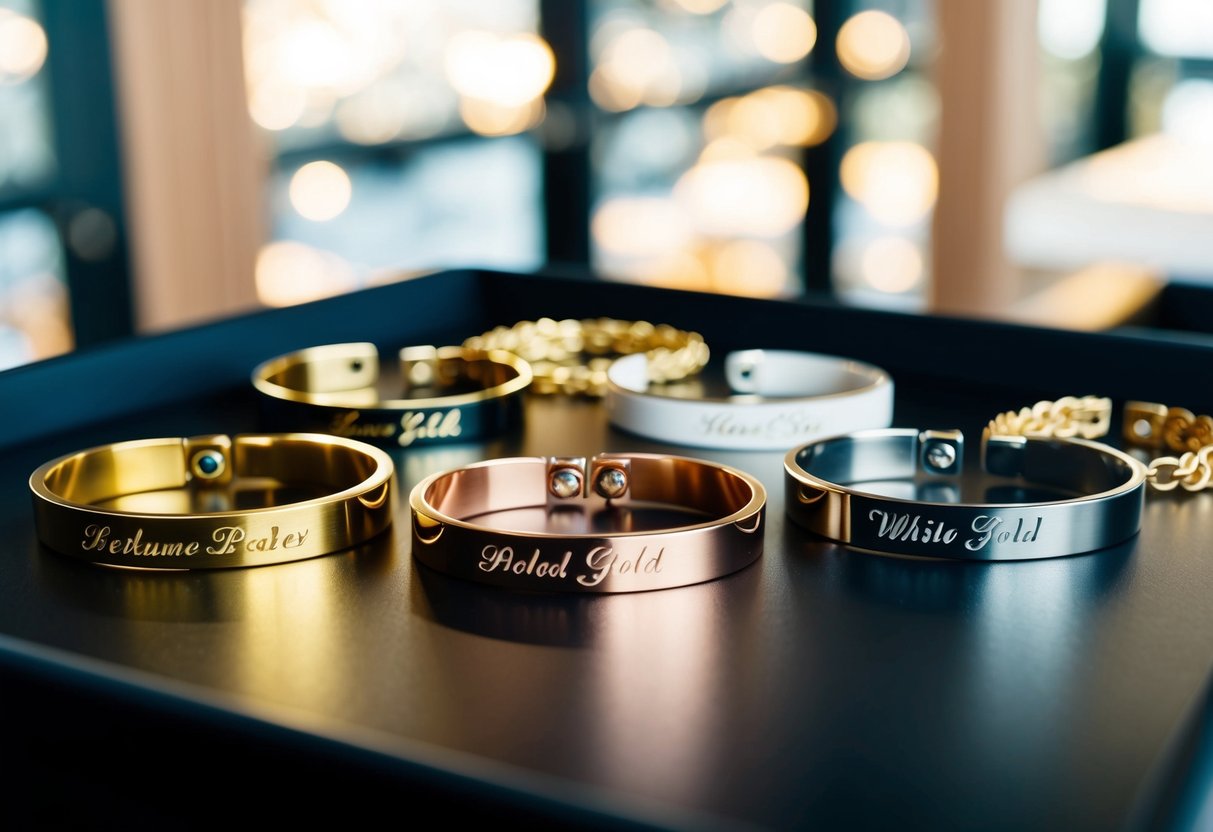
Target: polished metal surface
(903, 491)
(466, 522)
(434, 395)
(213, 501)
(820, 688)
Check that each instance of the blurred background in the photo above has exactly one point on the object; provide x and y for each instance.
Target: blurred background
(169, 162)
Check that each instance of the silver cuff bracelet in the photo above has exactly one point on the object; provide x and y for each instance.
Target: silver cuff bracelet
(904, 491)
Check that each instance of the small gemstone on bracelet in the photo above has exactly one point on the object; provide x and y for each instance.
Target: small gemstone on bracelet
(565, 483)
(611, 482)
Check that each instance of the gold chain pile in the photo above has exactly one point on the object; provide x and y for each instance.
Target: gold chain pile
(1146, 425)
(572, 356)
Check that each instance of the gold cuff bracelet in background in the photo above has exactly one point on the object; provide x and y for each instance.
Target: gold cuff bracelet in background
(572, 356)
(214, 501)
(434, 396)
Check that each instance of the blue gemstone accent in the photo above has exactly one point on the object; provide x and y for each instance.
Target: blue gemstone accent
(208, 463)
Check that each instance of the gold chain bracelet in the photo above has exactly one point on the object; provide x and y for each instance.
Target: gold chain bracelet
(1146, 425)
(572, 356)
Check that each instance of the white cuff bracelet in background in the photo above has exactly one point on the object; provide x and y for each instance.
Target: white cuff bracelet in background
(780, 398)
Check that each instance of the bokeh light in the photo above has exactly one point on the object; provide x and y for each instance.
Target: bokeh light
(320, 191)
(891, 264)
(509, 71)
(641, 227)
(289, 272)
(873, 45)
(784, 33)
(748, 267)
(897, 182)
(23, 47)
(759, 197)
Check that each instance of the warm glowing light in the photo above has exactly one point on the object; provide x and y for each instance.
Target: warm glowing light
(276, 107)
(313, 53)
(320, 191)
(873, 45)
(678, 270)
(699, 6)
(726, 149)
(641, 227)
(636, 67)
(758, 197)
(490, 119)
(891, 264)
(748, 267)
(1070, 28)
(22, 47)
(773, 116)
(897, 182)
(288, 273)
(784, 33)
(508, 71)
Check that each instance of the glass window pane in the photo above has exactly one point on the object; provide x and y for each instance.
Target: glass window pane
(26, 156)
(35, 318)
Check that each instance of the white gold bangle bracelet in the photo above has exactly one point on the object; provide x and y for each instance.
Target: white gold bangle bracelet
(907, 492)
(775, 399)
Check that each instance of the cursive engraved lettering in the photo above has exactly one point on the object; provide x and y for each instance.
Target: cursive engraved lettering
(502, 559)
(599, 563)
(904, 527)
(603, 560)
(894, 526)
(100, 538)
(986, 527)
(786, 425)
(350, 424)
(416, 425)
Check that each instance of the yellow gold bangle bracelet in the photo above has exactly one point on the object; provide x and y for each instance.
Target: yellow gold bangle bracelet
(214, 501)
(447, 394)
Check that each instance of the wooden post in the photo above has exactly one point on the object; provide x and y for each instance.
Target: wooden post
(195, 169)
(990, 140)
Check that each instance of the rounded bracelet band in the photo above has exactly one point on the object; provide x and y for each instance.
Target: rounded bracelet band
(724, 534)
(825, 493)
(179, 503)
(459, 394)
(783, 398)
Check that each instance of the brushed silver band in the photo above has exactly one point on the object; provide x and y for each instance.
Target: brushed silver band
(840, 488)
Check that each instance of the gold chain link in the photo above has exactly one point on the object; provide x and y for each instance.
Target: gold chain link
(1087, 417)
(1146, 425)
(572, 356)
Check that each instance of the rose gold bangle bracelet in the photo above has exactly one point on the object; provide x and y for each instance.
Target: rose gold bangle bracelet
(614, 523)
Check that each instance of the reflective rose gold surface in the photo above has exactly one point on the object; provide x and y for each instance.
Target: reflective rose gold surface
(680, 521)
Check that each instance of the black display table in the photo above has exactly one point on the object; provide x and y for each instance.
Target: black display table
(820, 688)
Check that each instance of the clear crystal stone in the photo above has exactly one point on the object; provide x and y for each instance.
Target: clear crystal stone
(565, 483)
(611, 482)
